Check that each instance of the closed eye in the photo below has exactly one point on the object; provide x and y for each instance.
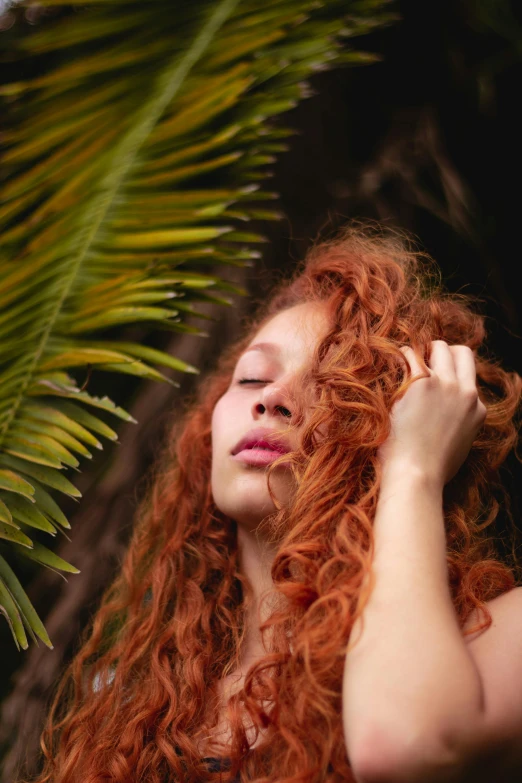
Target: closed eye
(252, 380)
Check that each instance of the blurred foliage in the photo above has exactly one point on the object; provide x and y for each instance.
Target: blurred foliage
(118, 114)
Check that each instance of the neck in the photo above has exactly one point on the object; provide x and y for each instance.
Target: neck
(255, 557)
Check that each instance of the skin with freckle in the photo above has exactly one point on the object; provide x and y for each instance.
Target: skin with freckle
(240, 490)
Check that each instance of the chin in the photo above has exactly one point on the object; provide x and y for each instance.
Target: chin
(247, 506)
(248, 514)
(246, 499)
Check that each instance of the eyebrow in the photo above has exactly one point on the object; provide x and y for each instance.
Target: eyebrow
(265, 348)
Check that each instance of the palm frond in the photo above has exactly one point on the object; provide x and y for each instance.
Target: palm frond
(110, 209)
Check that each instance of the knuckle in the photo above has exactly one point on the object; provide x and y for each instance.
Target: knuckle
(450, 385)
(436, 344)
(470, 393)
(432, 380)
(461, 347)
(462, 355)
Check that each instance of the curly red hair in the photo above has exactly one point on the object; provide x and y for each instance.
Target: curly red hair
(139, 693)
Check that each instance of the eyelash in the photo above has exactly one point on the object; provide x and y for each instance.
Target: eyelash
(251, 380)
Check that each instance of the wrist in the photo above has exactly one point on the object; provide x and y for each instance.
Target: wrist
(405, 472)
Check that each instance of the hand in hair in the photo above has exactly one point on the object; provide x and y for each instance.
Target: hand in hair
(434, 423)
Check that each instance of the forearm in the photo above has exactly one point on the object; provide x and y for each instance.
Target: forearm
(409, 680)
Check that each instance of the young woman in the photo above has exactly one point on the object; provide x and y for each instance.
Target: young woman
(312, 591)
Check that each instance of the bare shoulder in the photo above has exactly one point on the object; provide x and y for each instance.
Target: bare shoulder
(497, 653)
(501, 608)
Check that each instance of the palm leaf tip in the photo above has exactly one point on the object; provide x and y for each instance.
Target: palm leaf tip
(12, 482)
(10, 611)
(40, 554)
(22, 603)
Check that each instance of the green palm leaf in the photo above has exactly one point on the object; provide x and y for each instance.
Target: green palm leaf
(109, 210)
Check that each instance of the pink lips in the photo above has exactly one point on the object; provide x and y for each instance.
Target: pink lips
(260, 446)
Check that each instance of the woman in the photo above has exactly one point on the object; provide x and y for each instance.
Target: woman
(334, 483)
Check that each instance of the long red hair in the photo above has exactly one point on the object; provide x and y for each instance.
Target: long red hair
(143, 687)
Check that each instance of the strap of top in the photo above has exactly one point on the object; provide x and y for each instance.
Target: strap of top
(216, 763)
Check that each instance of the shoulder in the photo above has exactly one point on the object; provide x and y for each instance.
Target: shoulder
(504, 608)
(497, 654)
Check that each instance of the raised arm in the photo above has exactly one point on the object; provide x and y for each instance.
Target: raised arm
(409, 681)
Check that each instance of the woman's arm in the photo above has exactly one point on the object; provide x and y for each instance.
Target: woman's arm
(409, 680)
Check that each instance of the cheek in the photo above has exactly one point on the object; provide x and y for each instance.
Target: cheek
(221, 437)
(220, 422)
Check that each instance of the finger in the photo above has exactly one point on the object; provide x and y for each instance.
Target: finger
(415, 365)
(441, 360)
(465, 367)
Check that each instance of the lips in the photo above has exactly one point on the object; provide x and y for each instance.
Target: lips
(262, 438)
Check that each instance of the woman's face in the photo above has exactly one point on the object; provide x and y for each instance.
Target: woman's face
(248, 420)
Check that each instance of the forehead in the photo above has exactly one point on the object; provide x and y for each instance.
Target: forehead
(295, 331)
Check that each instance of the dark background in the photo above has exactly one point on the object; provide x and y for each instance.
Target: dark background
(427, 139)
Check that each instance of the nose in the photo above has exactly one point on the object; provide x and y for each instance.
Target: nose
(274, 399)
